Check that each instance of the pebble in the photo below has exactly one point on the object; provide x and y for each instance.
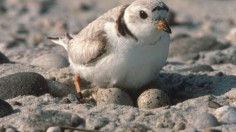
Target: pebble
(54, 129)
(188, 48)
(226, 114)
(3, 58)
(72, 98)
(153, 98)
(58, 89)
(179, 126)
(10, 129)
(205, 120)
(213, 104)
(113, 96)
(77, 120)
(96, 124)
(22, 83)
(5, 108)
(50, 61)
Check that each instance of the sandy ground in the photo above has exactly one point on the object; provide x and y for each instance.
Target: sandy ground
(199, 77)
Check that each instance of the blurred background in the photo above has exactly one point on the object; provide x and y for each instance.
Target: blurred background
(25, 24)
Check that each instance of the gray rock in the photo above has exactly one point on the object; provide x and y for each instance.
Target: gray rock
(23, 83)
(10, 129)
(51, 61)
(205, 120)
(58, 89)
(226, 114)
(54, 129)
(188, 48)
(77, 120)
(3, 58)
(5, 108)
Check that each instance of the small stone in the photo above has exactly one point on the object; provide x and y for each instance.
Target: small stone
(16, 103)
(58, 89)
(153, 98)
(138, 128)
(54, 129)
(68, 130)
(73, 98)
(22, 83)
(10, 129)
(66, 101)
(160, 124)
(51, 61)
(213, 104)
(179, 126)
(5, 108)
(220, 74)
(3, 58)
(96, 124)
(113, 96)
(226, 114)
(205, 120)
(77, 120)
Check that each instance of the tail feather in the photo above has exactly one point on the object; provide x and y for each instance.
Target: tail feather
(63, 41)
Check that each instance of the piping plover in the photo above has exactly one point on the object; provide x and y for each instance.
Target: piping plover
(126, 47)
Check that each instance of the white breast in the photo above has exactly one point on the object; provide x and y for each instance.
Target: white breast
(129, 65)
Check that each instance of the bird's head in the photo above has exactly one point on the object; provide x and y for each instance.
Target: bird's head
(147, 18)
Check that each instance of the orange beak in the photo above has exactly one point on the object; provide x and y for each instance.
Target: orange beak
(163, 25)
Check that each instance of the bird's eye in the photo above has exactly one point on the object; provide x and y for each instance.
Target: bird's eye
(143, 14)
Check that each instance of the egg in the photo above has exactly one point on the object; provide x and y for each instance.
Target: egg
(107, 96)
(153, 98)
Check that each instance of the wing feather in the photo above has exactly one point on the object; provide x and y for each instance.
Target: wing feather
(91, 43)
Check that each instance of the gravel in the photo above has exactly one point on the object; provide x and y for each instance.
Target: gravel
(199, 76)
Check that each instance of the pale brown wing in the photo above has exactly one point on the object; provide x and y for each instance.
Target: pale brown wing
(91, 43)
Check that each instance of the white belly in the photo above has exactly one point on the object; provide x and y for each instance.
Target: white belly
(132, 68)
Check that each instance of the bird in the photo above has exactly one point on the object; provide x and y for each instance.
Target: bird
(126, 47)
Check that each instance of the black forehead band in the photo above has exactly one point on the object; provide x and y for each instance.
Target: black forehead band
(164, 7)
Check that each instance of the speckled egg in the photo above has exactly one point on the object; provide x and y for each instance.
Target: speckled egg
(113, 96)
(153, 98)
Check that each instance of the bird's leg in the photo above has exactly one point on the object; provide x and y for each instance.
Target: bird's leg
(77, 86)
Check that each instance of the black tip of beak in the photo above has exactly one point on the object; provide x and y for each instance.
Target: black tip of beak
(167, 29)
